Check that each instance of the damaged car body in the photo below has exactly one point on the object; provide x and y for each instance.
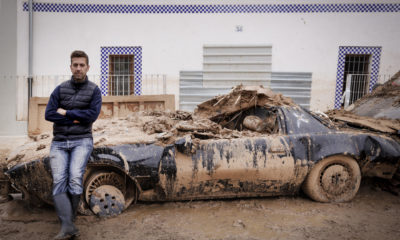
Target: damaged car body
(293, 149)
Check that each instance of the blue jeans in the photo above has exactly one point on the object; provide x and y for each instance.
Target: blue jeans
(68, 161)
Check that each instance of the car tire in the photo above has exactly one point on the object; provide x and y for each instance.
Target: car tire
(334, 179)
(111, 189)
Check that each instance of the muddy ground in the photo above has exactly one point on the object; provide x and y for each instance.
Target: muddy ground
(373, 214)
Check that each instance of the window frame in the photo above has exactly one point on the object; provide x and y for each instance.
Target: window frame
(112, 76)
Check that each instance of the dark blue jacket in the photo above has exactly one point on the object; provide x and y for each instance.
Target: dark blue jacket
(82, 102)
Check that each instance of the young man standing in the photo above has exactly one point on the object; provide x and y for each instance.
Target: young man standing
(73, 107)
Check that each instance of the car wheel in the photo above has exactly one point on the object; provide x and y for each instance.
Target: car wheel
(334, 179)
(106, 193)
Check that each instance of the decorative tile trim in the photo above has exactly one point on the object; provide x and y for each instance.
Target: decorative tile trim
(215, 8)
(375, 61)
(137, 63)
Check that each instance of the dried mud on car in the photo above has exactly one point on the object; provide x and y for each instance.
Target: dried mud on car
(251, 142)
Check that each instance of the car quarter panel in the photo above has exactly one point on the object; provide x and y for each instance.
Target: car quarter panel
(376, 155)
(312, 141)
(231, 168)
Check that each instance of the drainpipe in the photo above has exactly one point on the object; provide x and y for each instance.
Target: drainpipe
(30, 56)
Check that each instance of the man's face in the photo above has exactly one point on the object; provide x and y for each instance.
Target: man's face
(79, 68)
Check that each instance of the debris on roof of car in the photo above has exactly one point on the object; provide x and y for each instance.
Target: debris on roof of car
(141, 127)
(239, 98)
(211, 120)
(164, 127)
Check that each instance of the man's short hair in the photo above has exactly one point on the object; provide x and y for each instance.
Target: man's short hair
(79, 53)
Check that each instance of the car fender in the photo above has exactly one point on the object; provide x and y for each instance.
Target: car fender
(107, 157)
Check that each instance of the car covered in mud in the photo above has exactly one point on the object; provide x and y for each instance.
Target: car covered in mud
(286, 148)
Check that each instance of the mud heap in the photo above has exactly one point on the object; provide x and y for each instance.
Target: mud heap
(391, 88)
(163, 127)
(377, 111)
(346, 118)
(241, 98)
(383, 102)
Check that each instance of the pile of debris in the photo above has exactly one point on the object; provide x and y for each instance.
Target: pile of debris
(389, 126)
(238, 110)
(164, 127)
(377, 111)
(241, 98)
(139, 127)
(383, 102)
(211, 120)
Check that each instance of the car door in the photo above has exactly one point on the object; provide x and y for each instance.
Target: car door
(234, 168)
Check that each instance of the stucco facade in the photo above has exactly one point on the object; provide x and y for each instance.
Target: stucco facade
(306, 36)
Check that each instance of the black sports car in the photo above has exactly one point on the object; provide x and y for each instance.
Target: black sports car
(295, 149)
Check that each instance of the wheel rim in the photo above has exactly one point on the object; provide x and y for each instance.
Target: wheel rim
(336, 179)
(103, 178)
(106, 201)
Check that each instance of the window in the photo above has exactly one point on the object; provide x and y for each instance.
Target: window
(356, 76)
(345, 56)
(121, 75)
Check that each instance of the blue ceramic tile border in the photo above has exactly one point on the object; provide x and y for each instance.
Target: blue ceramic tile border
(137, 62)
(214, 8)
(375, 53)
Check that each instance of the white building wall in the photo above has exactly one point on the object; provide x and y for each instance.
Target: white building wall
(304, 42)
(8, 69)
